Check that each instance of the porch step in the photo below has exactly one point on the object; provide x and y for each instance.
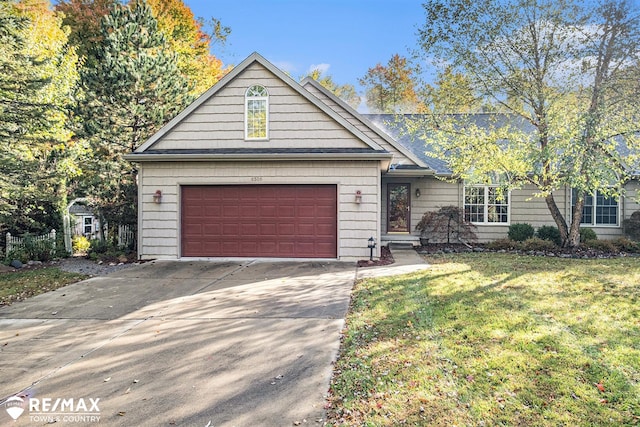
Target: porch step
(400, 241)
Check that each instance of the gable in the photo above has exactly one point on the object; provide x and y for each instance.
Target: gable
(296, 121)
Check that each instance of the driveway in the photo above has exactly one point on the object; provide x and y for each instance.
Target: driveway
(179, 343)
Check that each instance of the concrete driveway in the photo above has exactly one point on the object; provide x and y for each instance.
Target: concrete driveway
(178, 343)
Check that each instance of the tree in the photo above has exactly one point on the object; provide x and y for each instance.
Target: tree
(83, 17)
(345, 92)
(134, 88)
(184, 34)
(556, 68)
(451, 92)
(38, 77)
(391, 88)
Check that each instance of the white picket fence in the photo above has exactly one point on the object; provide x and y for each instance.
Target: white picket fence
(126, 236)
(14, 242)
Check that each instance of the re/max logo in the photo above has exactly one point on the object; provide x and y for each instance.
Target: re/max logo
(48, 404)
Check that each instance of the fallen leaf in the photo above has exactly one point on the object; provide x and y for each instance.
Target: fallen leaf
(600, 386)
(128, 390)
(107, 379)
(121, 413)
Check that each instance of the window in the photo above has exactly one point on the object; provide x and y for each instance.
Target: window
(256, 113)
(597, 209)
(486, 204)
(87, 225)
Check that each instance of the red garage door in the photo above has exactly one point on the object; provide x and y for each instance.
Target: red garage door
(292, 221)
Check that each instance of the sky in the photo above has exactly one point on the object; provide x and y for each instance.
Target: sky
(344, 38)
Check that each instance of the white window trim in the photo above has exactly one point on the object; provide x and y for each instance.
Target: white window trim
(84, 224)
(486, 205)
(593, 223)
(246, 109)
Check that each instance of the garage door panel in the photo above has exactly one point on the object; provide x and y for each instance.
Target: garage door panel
(259, 221)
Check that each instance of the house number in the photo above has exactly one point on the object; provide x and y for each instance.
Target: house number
(256, 178)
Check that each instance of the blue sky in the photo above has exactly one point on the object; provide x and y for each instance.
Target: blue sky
(345, 37)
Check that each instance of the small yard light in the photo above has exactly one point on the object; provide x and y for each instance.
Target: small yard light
(371, 245)
(157, 197)
(358, 197)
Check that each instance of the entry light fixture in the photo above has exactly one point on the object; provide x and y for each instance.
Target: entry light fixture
(418, 192)
(358, 197)
(157, 197)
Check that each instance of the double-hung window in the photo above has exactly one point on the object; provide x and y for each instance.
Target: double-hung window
(486, 204)
(256, 113)
(598, 209)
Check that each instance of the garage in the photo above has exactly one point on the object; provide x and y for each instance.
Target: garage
(281, 221)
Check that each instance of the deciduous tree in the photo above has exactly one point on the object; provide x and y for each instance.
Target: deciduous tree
(391, 88)
(345, 92)
(36, 84)
(554, 66)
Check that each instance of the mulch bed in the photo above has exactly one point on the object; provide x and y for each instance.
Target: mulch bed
(385, 259)
(583, 253)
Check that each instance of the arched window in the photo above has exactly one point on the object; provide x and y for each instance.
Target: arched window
(256, 116)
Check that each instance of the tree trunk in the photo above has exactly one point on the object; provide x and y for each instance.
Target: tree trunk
(576, 218)
(558, 218)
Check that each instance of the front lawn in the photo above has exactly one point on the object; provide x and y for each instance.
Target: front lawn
(19, 285)
(493, 339)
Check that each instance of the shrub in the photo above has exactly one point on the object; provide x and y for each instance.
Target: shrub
(550, 233)
(520, 232)
(601, 245)
(587, 234)
(631, 226)
(98, 246)
(500, 244)
(538, 244)
(446, 223)
(623, 244)
(80, 244)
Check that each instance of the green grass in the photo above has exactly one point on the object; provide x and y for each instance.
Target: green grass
(19, 285)
(493, 339)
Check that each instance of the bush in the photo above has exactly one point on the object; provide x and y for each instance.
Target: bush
(587, 234)
(446, 223)
(520, 232)
(623, 244)
(80, 244)
(502, 244)
(538, 244)
(601, 245)
(631, 226)
(98, 246)
(550, 233)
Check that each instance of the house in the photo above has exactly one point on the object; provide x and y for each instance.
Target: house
(84, 221)
(263, 166)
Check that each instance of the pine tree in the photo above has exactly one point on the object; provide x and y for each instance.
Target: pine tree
(134, 87)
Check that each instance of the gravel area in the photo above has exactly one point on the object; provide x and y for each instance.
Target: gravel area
(91, 268)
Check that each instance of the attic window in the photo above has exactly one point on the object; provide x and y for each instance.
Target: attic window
(256, 113)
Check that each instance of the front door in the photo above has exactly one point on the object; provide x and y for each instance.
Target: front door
(398, 208)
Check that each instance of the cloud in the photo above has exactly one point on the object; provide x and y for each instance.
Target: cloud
(286, 66)
(323, 68)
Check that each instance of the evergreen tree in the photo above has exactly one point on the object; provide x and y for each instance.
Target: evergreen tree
(132, 89)
(37, 76)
